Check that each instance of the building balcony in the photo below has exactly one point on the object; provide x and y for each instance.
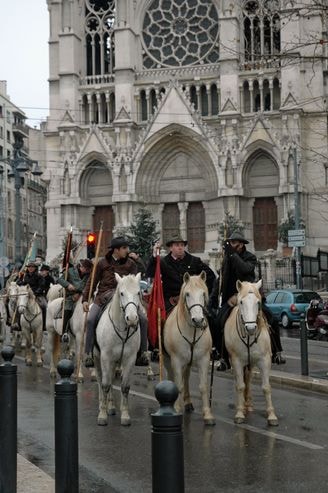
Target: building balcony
(97, 80)
(21, 129)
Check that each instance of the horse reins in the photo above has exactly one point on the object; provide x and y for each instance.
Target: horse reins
(194, 341)
(117, 330)
(242, 336)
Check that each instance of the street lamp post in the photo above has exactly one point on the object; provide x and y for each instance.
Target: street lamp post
(19, 166)
(297, 221)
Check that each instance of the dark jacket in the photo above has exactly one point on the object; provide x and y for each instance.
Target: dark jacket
(172, 272)
(35, 281)
(105, 277)
(47, 280)
(73, 277)
(236, 266)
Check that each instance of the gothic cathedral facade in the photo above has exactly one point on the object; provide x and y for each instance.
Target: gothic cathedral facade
(190, 108)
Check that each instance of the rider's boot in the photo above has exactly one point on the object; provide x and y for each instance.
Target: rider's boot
(143, 359)
(88, 360)
(278, 359)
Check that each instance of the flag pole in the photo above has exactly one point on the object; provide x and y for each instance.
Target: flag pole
(93, 273)
(159, 331)
(66, 260)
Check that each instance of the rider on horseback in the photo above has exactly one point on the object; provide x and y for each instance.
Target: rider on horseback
(74, 283)
(117, 260)
(37, 284)
(238, 264)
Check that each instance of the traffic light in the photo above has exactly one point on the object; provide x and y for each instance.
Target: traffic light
(91, 245)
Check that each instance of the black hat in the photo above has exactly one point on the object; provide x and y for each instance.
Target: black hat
(176, 239)
(44, 267)
(237, 236)
(86, 263)
(118, 242)
(31, 263)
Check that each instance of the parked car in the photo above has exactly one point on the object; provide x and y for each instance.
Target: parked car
(288, 304)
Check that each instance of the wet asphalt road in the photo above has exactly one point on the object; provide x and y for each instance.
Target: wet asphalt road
(227, 457)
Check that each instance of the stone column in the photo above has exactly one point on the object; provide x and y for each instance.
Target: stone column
(270, 261)
(183, 207)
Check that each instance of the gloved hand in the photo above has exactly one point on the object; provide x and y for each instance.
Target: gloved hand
(228, 250)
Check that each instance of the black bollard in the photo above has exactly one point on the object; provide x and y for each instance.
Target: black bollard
(66, 431)
(8, 422)
(167, 442)
(304, 347)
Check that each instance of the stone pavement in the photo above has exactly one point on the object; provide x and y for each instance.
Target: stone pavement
(31, 479)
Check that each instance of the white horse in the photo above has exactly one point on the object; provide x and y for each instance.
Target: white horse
(247, 340)
(54, 326)
(3, 321)
(118, 339)
(188, 341)
(31, 323)
(17, 338)
(55, 291)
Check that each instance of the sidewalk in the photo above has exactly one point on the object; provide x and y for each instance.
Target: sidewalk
(31, 479)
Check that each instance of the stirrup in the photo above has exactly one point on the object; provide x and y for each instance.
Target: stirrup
(142, 360)
(222, 365)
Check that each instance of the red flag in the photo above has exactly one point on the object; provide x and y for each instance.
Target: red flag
(156, 303)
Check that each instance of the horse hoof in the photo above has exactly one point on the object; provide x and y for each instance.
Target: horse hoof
(239, 420)
(189, 408)
(273, 422)
(53, 374)
(125, 422)
(93, 378)
(102, 422)
(28, 363)
(80, 380)
(111, 411)
(39, 363)
(210, 422)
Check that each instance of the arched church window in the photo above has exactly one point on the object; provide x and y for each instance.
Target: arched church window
(99, 36)
(276, 94)
(193, 97)
(204, 100)
(176, 33)
(256, 96)
(143, 103)
(261, 20)
(153, 100)
(266, 95)
(247, 97)
(214, 99)
(112, 106)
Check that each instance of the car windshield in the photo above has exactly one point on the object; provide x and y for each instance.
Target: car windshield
(306, 297)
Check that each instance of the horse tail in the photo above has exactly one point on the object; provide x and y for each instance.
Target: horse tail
(56, 346)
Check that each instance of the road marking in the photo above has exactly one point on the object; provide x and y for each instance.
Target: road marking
(227, 421)
(254, 429)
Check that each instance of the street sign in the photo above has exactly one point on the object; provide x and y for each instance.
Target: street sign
(296, 237)
(299, 233)
(296, 242)
(4, 261)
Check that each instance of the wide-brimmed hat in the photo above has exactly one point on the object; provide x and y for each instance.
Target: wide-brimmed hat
(237, 236)
(44, 267)
(118, 242)
(31, 264)
(86, 263)
(176, 239)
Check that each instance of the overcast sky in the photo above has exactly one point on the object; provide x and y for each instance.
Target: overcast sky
(24, 57)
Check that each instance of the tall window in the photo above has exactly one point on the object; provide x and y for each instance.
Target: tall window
(99, 32)
(261, 31)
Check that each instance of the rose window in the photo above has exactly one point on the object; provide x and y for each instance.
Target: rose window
(180, 32)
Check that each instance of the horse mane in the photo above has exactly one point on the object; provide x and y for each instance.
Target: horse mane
(248, 287)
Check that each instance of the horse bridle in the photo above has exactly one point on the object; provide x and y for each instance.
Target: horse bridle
(242, 334)
(193, 343)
